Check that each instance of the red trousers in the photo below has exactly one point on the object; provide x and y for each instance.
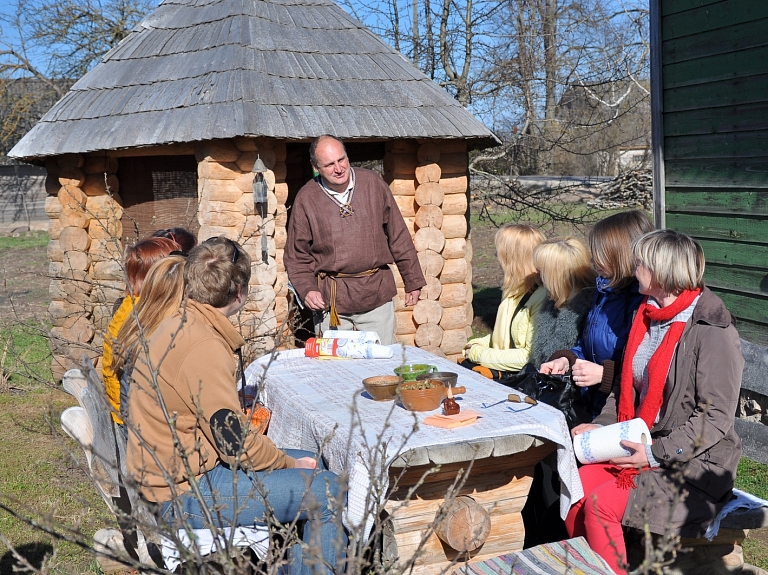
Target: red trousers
(597, 517)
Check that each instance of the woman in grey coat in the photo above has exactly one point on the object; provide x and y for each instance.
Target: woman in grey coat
(681, 374)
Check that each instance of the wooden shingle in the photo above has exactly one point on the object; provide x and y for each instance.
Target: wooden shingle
(205, 69)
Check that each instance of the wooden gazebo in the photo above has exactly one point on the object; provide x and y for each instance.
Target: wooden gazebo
(166, 129)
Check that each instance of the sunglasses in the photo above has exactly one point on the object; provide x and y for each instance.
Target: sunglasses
(179, 253)
(235, 253)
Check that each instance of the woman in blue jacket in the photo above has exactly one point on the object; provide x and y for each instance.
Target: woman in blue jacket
(595, 360)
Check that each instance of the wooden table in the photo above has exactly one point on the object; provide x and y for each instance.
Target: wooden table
(401, 470)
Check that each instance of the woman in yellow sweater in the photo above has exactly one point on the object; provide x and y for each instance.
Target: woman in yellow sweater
(138, 259)
(507, 349)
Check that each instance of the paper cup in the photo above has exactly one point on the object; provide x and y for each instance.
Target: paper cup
(604, 443)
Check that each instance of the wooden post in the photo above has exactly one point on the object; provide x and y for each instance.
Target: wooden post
(429, 181)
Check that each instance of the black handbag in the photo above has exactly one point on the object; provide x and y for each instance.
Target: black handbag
(555, 390)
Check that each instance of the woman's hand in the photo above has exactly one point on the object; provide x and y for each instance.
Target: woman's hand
(637, 459)
(305, 463)
(586, 373)
(583, 428)
(556, 366)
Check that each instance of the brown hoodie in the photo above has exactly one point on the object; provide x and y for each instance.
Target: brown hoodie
(192, 353)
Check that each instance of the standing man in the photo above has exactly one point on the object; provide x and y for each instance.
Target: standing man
(345, 228)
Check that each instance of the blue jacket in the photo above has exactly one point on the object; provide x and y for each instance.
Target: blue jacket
(605, 336)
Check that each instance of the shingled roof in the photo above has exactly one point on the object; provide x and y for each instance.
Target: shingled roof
(204, 69)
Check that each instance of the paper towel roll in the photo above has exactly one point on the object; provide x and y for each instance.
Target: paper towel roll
(604, 443)
(364, 336)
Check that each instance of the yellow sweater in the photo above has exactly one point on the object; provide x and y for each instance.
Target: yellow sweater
(495, 350)
(111, 380)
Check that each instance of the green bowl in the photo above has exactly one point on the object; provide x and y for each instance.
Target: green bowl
(410, 371)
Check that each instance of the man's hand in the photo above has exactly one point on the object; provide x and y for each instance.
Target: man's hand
(583, 428)
(556, 366)
(306, 462)
(638, 459)
(412, 297)
(586, 373)
(314, 301)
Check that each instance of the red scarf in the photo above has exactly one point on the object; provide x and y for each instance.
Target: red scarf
(658, 367)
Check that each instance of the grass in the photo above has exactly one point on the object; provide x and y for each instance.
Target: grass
(39, 479)
(25, 358)
(26, 240)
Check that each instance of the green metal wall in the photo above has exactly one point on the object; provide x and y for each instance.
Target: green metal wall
(715, 118)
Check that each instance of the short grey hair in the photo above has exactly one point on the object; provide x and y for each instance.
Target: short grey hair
(675, 260)
(316, 142)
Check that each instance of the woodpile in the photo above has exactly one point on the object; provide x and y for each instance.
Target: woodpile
(631, 189)
(430, 185)
(225, 189)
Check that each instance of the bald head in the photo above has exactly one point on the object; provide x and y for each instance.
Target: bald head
(329, 157)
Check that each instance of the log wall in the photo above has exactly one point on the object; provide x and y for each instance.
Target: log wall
(225, 189)
(430, 185)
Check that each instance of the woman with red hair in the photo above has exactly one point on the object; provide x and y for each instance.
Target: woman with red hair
(138, 259)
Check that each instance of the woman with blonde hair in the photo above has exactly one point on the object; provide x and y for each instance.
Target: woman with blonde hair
(681, 375)
(161, 297)
(567, 275)
(506, 350)
(595, 360)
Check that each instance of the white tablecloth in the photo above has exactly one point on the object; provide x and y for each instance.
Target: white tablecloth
(320, 405)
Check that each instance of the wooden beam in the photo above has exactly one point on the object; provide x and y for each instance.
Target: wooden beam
(657, 124)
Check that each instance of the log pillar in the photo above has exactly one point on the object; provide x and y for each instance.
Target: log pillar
(428, 179)
(86, 275)
(225, 187)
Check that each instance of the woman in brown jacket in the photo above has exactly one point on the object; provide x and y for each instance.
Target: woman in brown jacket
(681, 374)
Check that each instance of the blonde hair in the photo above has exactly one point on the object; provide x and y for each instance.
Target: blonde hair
(564, 266)
(675, 260)
(161, 296)
(610, 242)
(216, 271)
(514, 248)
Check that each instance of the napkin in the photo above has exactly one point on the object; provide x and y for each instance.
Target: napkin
(466, 417)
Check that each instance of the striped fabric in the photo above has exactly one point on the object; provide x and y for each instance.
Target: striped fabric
(572, 557)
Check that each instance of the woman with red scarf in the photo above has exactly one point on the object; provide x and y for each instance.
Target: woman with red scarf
(681, 374)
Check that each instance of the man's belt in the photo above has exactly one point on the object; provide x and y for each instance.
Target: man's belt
(332, 276)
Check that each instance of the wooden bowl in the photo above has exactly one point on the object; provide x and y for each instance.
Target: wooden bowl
(422, 399)
(382, 387)
(448, 378)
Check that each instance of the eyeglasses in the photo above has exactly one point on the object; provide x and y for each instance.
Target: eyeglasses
(179, 253)
(235, 253)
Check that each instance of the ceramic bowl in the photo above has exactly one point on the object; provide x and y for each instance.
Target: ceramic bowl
(410, 371)
(422, 399)
(448, 378)
(382, 387)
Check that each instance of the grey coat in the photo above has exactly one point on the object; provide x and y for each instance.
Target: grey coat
(695, 431)
(555, 329)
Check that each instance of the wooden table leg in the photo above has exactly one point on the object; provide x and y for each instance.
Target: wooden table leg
(499, 484)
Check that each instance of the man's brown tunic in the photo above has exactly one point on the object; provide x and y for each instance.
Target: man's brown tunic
(320, 240)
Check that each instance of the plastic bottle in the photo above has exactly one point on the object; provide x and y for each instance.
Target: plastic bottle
(341, 347)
